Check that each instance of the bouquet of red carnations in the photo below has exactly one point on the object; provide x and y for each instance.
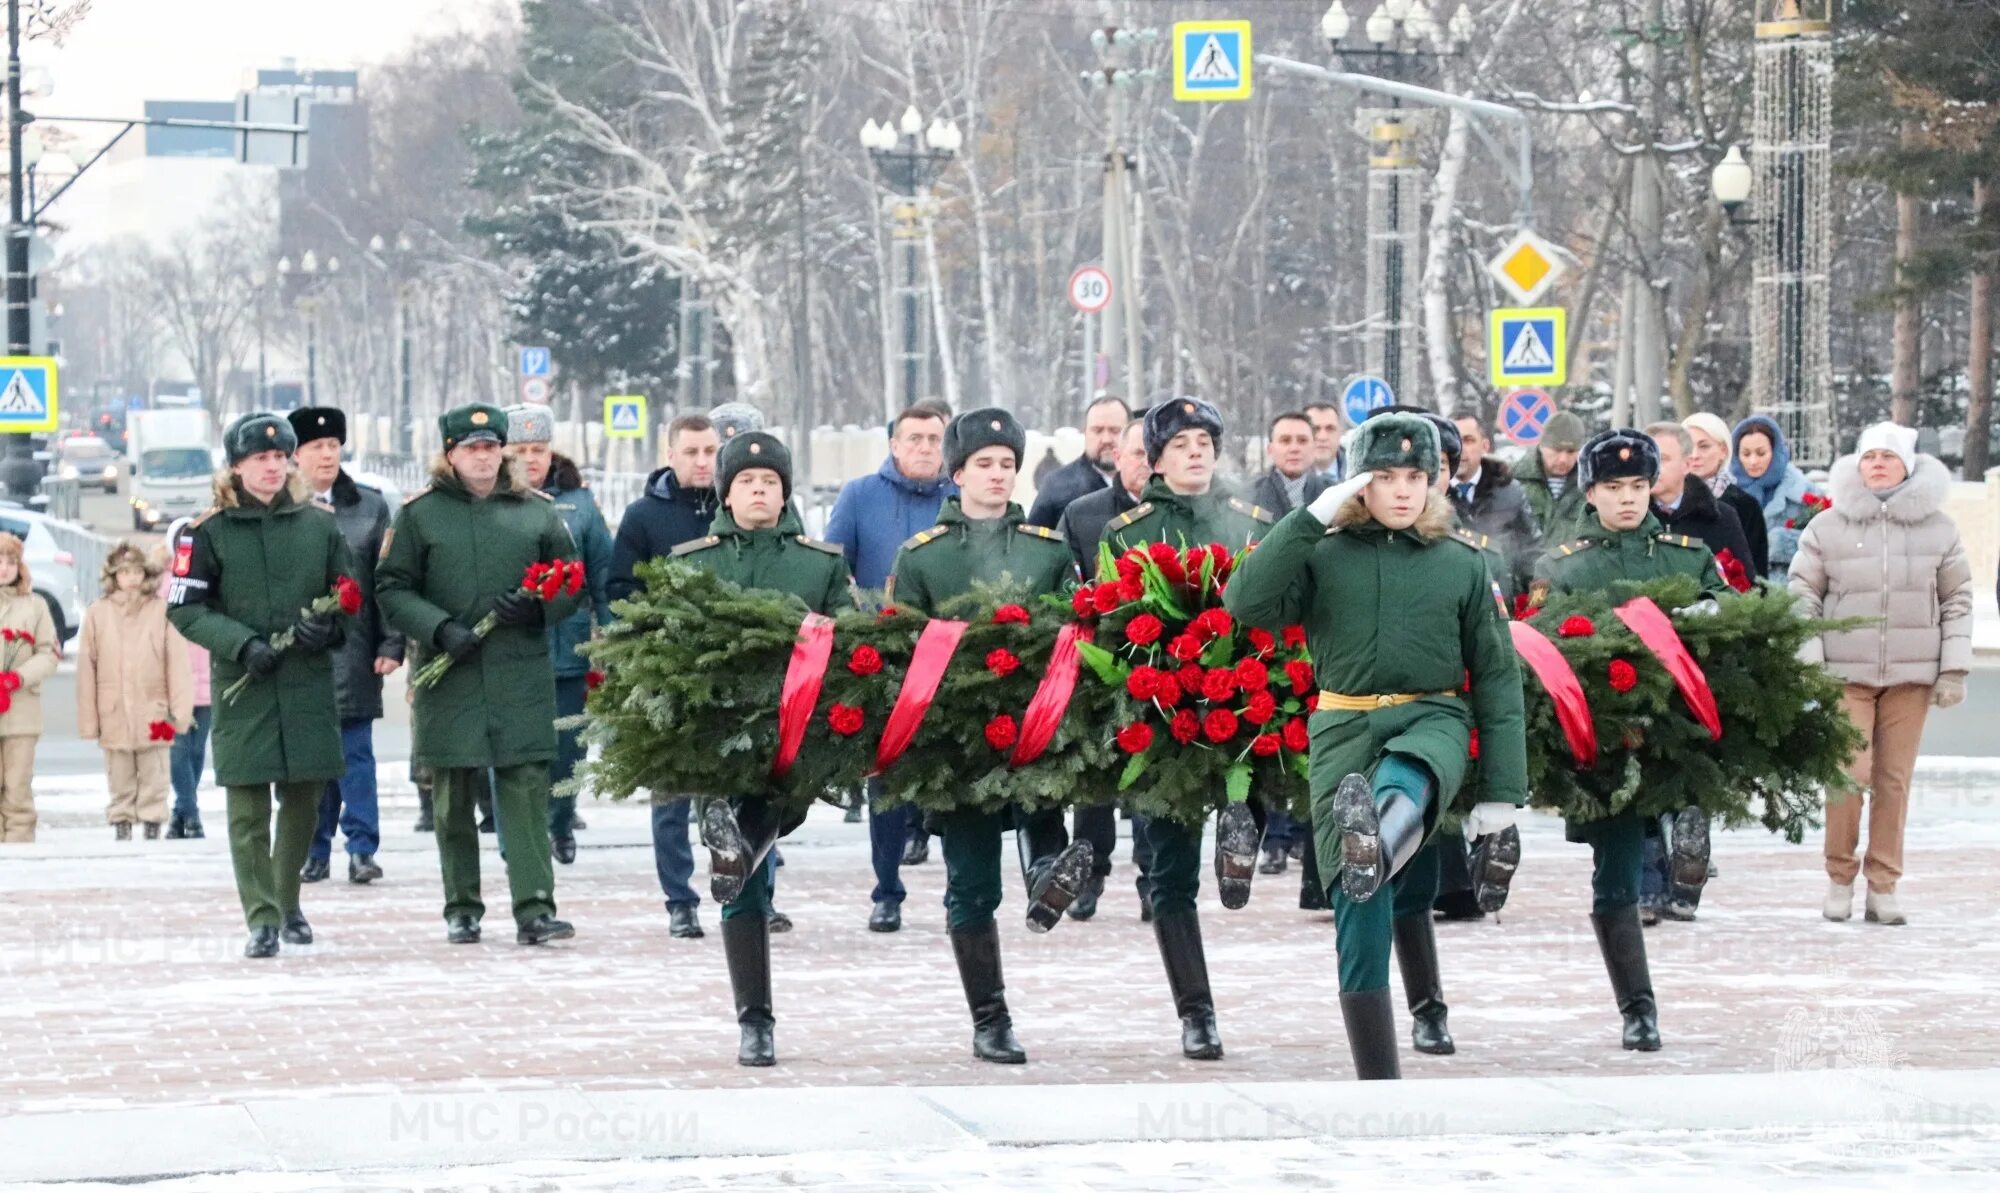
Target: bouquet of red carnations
(345, 599)
(544, 581)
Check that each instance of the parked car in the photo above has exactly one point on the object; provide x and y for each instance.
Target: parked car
(51, 568)
(90, 462)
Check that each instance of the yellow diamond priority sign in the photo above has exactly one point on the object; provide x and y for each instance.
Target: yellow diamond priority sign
(1527, 267)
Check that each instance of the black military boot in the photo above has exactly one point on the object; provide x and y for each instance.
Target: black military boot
(426, 818)
(543, 929)
(297, 930)
(1055, 868)
(977, 950)
(917, 848)
(1085, 904)
(1376, 840)
(194, 830)
(1623, 943)
(563, 848)
(263, 943)
(1370, 1019)
(1687, 846)
(316, 869)
(1179, 937)
(176, 828)
(1238, 837)
(361, 869)
(746, 944)
(735, 849)
(1416, 955)
(1312, 891)
(1275, 860)
(461, 929)
(1495, 857)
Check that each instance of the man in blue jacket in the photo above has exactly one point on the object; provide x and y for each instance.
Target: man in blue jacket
(870, 521)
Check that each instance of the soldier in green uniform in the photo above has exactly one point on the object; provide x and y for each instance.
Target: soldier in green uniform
(456, 553)
(1182, 506)
(1549, 481)
(242, 573)
(756, 541)
(1398, 612)
(1623, 543)
(982, 537)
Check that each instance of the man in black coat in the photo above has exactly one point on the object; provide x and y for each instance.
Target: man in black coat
(369, 651)
(1684, 504)
(1491, 502)
(1103, 422)
(1291, 481)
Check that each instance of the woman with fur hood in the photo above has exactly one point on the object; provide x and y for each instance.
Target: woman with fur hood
(1885, 551)
(27, 657)
(134, 689)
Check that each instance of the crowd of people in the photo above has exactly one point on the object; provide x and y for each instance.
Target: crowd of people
(201, 644)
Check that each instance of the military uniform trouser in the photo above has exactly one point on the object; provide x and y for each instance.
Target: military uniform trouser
(973, 865)
(1617, 852)
(1363, 932)
(756, 818)
(521, 793)
(267, 869)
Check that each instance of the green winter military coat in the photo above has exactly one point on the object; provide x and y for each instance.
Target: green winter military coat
(1164, 516)
(1392, 612)
(945, 561)
(1557, 518)
(246, 570)
(448, 557)
(1599, 558)
(780, 558)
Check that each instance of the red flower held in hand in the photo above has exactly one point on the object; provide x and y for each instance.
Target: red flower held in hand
(10, 681)
(1161, 554)
(1265, 744)
(1002, 662)
(1261, 707)
(1185, 647)
(1623, 676)
(593, 680)
(844, 719)
(1194, 559)
(349, 593)
(6, 635)
(1300, 673)
(1576, 626)
(1295, 637)
(1263, 644)
(1472, 746)
(1219, 725)
(1733, 572)
(1144, 682)
(1143, 630)
(1010, 615)
(864, 660)
(1252, 674)
(1129, 566)
(1131, 588)
(160, 731)
(1220, 554)
(1135, 738)
(1185, 726)
(1106, 597)
(1219, 686)
(1297, 738)
(574, 584)
(1001, 732)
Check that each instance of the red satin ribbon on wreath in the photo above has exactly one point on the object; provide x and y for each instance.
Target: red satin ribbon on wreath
(810, 653)
(920, 684)
(1559, 679)
(1051, 699)
(1657, 632)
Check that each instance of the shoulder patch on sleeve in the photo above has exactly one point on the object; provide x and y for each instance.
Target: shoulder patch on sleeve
(1040, 532)
(204, 516)
(816, 545)
(921, 537)
(1257, 512)
(1132, 515)
(1681, 540)
(693, 545)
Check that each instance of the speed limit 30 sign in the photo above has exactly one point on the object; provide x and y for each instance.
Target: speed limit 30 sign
(1090, 289)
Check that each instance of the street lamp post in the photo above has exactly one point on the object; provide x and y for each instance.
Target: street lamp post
(1399, 39)
(1116, 76)
(398, 267)
(909, 157)
(22, 473)
(310, 272)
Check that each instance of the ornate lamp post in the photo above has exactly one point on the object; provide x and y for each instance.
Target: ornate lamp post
(909, 156)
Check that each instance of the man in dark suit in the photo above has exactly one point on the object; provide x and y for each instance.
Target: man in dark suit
(1103, 422)
(1291, 481)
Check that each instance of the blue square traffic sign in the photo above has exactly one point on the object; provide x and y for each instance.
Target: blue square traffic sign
(27, 394)
(1212, 60)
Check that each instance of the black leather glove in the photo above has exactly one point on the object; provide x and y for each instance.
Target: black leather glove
(320, 632)
(519, 608)
(258, 659)
(456, 641)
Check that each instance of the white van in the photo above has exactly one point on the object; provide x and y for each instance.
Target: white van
(172, 466)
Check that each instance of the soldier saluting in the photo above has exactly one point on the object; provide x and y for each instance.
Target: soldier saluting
(456, 553)
(242, 573)
(982, 537)
(756, 541)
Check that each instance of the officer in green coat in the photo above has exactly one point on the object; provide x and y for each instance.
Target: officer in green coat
(243, 573)
(1182, 506)
(1549, 481)
(756, 542)
(982, 537)
(1624, 543)
(1398, 612)
(456, 554)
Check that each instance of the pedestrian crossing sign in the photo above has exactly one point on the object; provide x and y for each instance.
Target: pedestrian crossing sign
(1212, 60)
(27, 395)
(1528, 346)
(625, 417)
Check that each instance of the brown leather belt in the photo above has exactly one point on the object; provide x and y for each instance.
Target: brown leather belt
(1342, 702)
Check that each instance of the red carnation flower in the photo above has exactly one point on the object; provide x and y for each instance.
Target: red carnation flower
(1001, 732)
(1185, 726)
(1472, 746)
(1297, 738)
(1261, 707)
(1263, 644)
(1576, 626)
(1219, 725)
(1521, 610)
(1161, 554)
(865, 660)
(552, 584)
(1129, 566)
(531, 577)
(888, 611)
(1216, 622)
(1194, 558)
(1300, 673)
(10, 682)
(1623, 676)
(593, 680)
(574, 584)
(1010, 615)
(1220, 554)
(1733, 572)
(349, 593)
(1168, 694)
(1252, 674)
(1143, 630)
(1131, 588)
(1185, 647)
(1144, 682)
(844, 719)
(1135, 738)
(6, 635)
(1002, 662)
(1265, 744)
(1106, 597)
(1082, 602)
(1295, 637)
(1219, 686)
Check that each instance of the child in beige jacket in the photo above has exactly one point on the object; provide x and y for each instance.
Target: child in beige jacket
(134, 690)
(27, 657)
